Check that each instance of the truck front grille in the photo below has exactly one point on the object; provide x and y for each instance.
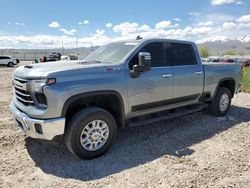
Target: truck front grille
(21, 91)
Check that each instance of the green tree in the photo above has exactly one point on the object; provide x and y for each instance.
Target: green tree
(204, 51)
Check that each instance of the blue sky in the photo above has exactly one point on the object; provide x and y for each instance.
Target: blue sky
(44, 23)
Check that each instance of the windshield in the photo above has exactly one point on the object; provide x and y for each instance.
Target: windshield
(111, 53)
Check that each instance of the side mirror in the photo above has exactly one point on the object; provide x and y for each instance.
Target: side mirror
(144, 59)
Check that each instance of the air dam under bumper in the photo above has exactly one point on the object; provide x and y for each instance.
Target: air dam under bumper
(36, 128)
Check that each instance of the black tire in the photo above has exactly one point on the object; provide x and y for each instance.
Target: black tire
(10, 64)
(214, 107)
(78, 122)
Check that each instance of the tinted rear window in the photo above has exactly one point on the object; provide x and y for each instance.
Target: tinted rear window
(181, 54)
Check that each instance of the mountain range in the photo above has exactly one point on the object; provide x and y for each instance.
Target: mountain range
(219, 45)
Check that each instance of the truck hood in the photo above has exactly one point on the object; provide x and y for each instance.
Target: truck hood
(42, 70)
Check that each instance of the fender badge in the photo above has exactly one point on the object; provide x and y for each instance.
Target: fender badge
(111, 69)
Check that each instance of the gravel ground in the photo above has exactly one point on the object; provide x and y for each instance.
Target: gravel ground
(192, 151)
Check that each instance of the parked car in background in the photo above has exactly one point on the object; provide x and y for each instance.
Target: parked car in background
(73, 57)
(8, 61)
(69, 58)
(213, 59)
(36, 61)
(203, 60)
(54, 56)
(245, 62)
(65, 58)
(228, 60)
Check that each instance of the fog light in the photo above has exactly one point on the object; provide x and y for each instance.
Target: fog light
(38, 128)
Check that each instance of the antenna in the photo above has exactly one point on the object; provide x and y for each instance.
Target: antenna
(76, 44)
(62, 48)
(138, 37)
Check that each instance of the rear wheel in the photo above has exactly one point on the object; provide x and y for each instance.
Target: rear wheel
(10, 64)
(90, 132)
(221, 103)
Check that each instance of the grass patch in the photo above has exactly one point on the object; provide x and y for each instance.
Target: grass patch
(245, 80)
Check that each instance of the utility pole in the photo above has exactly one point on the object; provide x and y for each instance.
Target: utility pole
(76, 44)
(36, 52)
(62, 48)
(91, 47)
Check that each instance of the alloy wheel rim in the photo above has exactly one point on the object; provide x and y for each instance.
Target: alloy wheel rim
(94, 135)
(224, 101)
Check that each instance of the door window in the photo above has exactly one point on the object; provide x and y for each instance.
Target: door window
(181, 54)
(156, 50)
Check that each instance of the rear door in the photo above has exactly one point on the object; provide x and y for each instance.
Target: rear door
(187, 71)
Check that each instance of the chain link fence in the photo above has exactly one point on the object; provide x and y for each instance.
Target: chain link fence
(30, 54)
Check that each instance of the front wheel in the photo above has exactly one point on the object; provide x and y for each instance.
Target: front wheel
(221, 103)
(90, 132)
(10, 64)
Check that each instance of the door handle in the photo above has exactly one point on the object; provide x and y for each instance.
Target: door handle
(166, 75)
(198, 72)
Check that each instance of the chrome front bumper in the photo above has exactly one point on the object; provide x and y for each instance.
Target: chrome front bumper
(36, 128)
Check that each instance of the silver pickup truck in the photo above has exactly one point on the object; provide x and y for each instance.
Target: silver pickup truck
(123, 83)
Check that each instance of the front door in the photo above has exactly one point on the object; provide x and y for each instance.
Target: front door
(154, 88)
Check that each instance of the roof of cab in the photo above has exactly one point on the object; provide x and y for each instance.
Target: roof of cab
(142, 40)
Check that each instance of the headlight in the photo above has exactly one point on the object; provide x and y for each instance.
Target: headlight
(37, 85)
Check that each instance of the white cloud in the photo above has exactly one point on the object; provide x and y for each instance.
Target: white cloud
(9, 23)
(52, 41)
(200, 29)
(208, 23)
(85, 22)
(176, 25)
(223, 2)
(212, 19)
(212, 39)
(98, 38)
(108, 25)
(54, 25)
(244, 18)
(244, 25)
(195, 14)
(68, 32)
(229, 25)
(239, 2)
(197, 30)
(163, 24)
(144, 28)
(125, 28)
(19, 23)
(177, 19)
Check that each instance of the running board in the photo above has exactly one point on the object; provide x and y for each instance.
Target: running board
(166, 115)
